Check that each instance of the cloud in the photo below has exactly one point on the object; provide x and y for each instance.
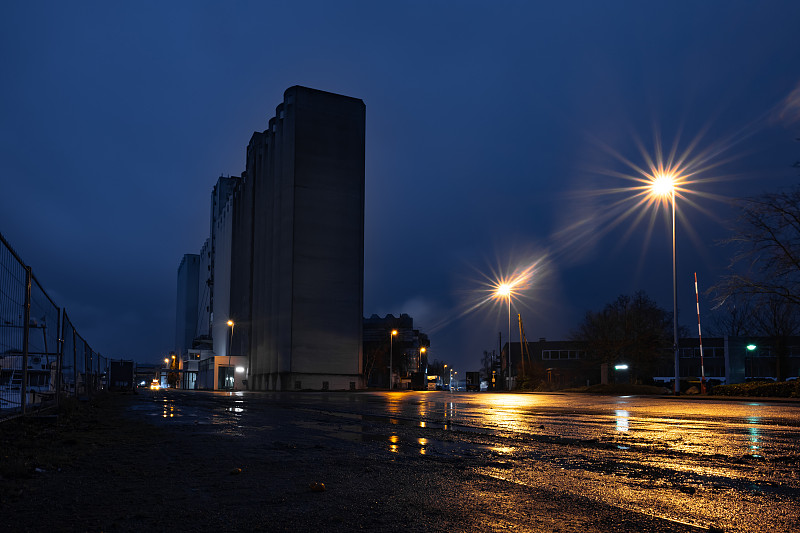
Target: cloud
(788, 110)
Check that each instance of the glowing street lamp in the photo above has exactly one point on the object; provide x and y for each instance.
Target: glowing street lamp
(230, 324)
(391, 347)
(504, 290)
(422, 350)
(230, 343)
(663, 186)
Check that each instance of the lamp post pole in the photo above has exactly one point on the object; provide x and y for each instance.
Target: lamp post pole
(675, 302)
(391, 348)
(508, 361)
(230, 343)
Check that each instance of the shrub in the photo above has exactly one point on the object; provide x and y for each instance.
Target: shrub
(760, 389)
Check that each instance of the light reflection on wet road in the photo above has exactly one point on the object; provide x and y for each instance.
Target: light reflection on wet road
(730, 464)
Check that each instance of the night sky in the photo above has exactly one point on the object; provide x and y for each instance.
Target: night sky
(496, 132)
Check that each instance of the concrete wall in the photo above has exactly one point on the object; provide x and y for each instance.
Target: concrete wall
(306, 175)
(328, 262)
(241, 262)
(204, 291)
(186, 307)
(220, 331)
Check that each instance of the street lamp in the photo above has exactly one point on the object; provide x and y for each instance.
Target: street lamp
(504, 291)
(663, 186)
(422, 350)
(230, 340)
(391, 347)
(230, 343)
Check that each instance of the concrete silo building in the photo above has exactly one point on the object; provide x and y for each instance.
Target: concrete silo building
(297, 262)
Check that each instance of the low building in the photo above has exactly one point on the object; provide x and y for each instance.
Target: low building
(222, 372)
(405, 351)
(563, 364)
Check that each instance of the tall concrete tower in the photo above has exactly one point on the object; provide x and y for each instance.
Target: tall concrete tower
(297, 272)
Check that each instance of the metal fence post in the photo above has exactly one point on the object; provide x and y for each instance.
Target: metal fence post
(26, 329)
(74, 361)
(60, 355)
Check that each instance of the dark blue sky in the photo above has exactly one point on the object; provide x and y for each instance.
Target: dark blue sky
(488, 125)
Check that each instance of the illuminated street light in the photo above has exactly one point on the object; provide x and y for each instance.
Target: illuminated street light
(230, 343)
(422, 350)
(505, 290)
(663, 186)
(230, 339)
(391, 347)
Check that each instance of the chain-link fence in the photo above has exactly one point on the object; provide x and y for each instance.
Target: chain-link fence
(42, 357)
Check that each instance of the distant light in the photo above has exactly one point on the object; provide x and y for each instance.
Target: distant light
(503, 290)
(662, 184)
(230, 322)
(240, 369)
(751, 347)
(621, 367)
(394, 332)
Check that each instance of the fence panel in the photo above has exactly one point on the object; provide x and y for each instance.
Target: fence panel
(13, 275)
(42, 356)
(29, 327)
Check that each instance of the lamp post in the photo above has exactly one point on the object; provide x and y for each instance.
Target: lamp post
(504, 291)
(391, 348)
(422, 350)
(443, 373)
(663, 185)
(230, 344)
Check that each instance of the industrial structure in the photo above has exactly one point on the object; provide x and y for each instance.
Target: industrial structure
(279, 282)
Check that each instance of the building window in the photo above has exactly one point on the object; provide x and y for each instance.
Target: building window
(324, 385)
(552, 355)
(297, 385)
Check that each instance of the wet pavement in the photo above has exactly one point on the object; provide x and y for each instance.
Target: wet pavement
(692, 464)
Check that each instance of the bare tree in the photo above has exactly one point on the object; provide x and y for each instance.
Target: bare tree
(766, 261)
(765, 269)
(778, 320)
(732, 317)
(632, 330)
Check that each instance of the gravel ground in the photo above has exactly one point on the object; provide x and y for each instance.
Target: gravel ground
(102, 467)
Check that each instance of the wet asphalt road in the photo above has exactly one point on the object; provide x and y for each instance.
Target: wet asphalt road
(730, 465)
